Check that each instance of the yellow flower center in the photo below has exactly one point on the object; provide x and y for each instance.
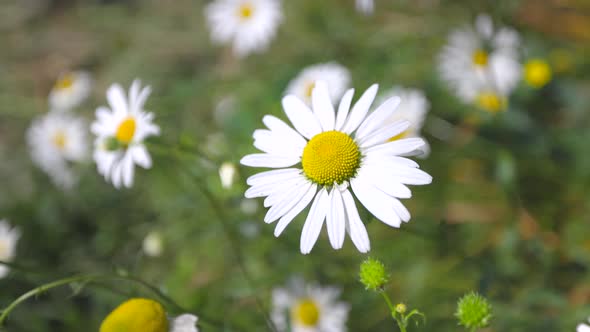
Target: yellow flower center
(537, 73)
(306, 312)
(309, 89)
(60, 140)
(329, 157)
(245, 11)
(125, 131)
(65, 82)
(491, 102)
(136, 315)
(480, 58)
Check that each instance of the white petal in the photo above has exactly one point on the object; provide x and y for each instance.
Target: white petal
(184, 323)
(301, 117)
(385, 182)
(376, 201)
(343, 109)
(382, 135)
(289, 216)
(141, 156)
(127, 163)
(116, 98)
(292, 196)
(268, 160)
(374, 159)
(315, 220)
(401, 210)
(277, 125)
(276, 143)
(356, 228)
(335, 220)
(322, 106)
(143, 95)
(360, 109)
(396, 147)
(378, 117)
(270, 188)
(273, 176)
(134, 93)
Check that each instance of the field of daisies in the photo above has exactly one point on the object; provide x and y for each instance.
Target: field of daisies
(294, 165)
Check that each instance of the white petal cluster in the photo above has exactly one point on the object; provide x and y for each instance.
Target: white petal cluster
(70, 90)
(184, 323)
(8, 239)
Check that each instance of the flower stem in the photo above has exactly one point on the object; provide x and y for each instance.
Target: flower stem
(401, 323)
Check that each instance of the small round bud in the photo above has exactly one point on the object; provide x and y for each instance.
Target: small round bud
(372, 274)
(111, 144)
(400, 308)
(474, 311)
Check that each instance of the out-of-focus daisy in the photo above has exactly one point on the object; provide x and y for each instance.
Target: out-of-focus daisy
(308, 308)
(413, 108)
(8, 238)
(481, 61)
(56, 140)
(335, 75)
(537, 73)
(249, 25)
(121, 130)
(153, 245)
(366, 7)
(146, 315)
(583, 327)
(326, 153)
(227, 174)
(70, 90)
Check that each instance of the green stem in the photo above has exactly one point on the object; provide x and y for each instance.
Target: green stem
(400, 322)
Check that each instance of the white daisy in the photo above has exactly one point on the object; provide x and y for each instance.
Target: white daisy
(56, 140)
(366, 7)
(70, 90)
(332, 151)
(308, 308)
(335, 75)
(249, 25)
(583, 327)
(8, 239)
(413, 107)
(184, 323)
(227, 174)
(153, 245)
(121, 130)
(479, 62)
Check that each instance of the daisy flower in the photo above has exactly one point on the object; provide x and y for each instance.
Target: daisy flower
(308, 308)
(70, 90)
(413, 107)
(324, 157)
(8, 239)
(583, 327)
(249, 25)
(120, 131)
(335, 75)
(481, 63)
(366, 7)
(153, 245)
(227, 174)
(146, 315)
(56, 140)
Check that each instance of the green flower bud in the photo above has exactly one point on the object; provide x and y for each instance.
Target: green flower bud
(401, 308)
(111, 144)
(474, 311)
(372, 274)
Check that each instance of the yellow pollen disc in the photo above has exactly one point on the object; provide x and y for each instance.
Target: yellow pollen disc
(246, 10)
(60, 140)
(136, 315)
(491, 102)
(309, 89)
(401, 135)
(537, 73)
(65, 82)
(480, 58)
(125, 131)
(306, 312)
(329, 157)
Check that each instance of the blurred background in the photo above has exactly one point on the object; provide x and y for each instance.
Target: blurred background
(507, 213)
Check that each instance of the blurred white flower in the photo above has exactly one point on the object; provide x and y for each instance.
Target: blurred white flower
(366, 7)
(227, 174)
(332, 159)
(153, 245)
(413, 107)
(121, 130)
(335, 75)
(8, 239)
(184, 323)
(56, 140)
(249, 25)
(482, 64)
(70, 90)
(308, 308)
(583, 327)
